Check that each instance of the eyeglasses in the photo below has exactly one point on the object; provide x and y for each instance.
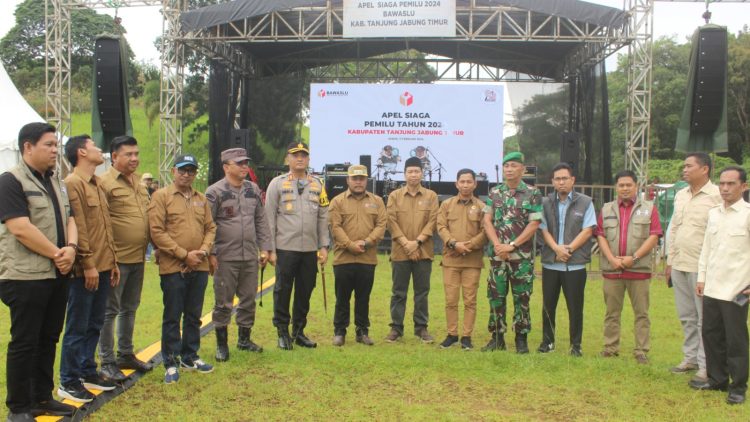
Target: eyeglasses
(560, 179)
(190, 171)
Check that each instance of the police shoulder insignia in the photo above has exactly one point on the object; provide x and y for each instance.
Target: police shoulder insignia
(324, 202)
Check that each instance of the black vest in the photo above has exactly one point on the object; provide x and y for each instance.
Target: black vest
(574, 214)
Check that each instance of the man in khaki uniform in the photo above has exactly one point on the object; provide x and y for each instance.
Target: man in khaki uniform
(459, 224)
(686, 231)
(358, 224)
(183, 230)
(95, 270)
(128, 203)
(412, 213)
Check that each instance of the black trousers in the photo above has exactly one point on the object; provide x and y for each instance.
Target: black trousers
(725, 340)
(357, 278)
(37, 312)
(294, 270)
(573, 285)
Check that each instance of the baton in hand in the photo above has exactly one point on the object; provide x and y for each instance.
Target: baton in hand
(260, 285)
(323, 278)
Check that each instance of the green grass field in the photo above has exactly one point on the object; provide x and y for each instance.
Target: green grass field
(413, 381)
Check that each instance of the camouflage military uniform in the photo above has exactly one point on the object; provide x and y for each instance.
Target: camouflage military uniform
(511, 212)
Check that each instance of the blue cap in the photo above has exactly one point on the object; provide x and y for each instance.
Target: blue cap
(185, 160)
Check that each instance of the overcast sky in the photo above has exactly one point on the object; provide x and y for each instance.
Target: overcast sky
(678, 19)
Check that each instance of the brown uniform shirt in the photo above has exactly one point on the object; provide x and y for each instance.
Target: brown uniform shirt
(410, 216)
(460, 221)
(355, 219)
(128, 209)
(96, 246)
(180, 225)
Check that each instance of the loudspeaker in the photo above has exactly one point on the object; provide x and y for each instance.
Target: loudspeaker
(366, 160)
(240, 138)
(335, 184)
(710, 80)
(529, 175)
(109, 86)
(570, 149)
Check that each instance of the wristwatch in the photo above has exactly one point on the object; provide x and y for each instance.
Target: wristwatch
(74, 246)
(635, 257)
(452, 244)
(419, 242)
(514, 245)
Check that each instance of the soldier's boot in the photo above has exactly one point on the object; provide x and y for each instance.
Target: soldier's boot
(285, 340)
(222, 349)
(497, 342)
(244, 342)
(522, 346)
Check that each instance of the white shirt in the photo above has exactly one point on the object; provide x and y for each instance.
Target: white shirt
(724, 263)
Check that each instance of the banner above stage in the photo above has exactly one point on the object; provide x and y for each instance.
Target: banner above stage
(403, 18)
(449, 127)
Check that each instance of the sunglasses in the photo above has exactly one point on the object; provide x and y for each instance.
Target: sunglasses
(190, 171)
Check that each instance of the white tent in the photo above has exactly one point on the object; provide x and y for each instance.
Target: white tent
(14, 113)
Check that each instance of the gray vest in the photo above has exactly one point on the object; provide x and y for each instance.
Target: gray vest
(579, 203)
(17, 262)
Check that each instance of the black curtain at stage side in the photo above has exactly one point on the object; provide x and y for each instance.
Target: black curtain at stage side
(588, 117)
(223, 91)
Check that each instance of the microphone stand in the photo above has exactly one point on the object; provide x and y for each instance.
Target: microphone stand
(439, 166)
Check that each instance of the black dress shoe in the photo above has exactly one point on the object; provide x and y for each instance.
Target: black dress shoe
(132, 362)
(735, 398)
(52, 408)
(111, 372)
(19, 417)
(706, 385)
(576, 352)
(303, 341)
(285, 340)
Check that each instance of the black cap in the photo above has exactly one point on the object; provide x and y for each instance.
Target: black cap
(185, 160)
(413, 162)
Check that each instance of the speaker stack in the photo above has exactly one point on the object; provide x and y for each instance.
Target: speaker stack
(570, 149)
(335, 175)
(240, 138)
(711, 72)
(110, 96)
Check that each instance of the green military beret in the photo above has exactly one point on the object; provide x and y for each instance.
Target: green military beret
(513, 156)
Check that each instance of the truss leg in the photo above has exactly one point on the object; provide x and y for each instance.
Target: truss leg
(639, 88)
(172, 85)
(57, 46)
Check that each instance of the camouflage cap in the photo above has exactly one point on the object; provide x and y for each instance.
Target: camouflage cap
(513, 156)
